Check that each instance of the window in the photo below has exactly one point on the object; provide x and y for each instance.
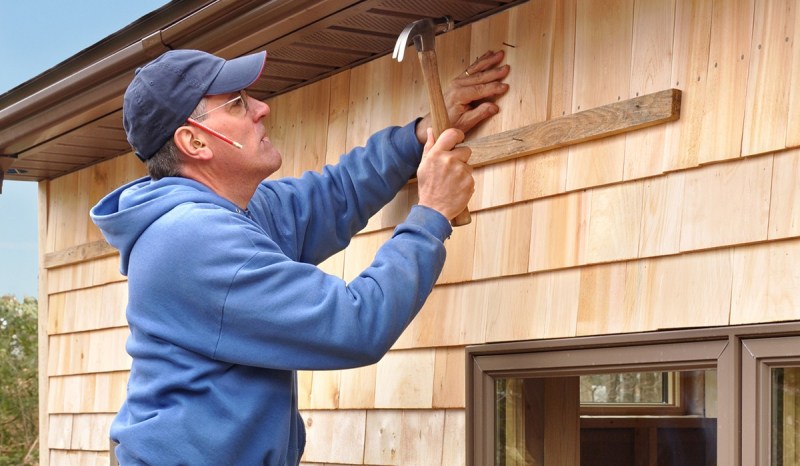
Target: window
(771, 378)
(697, 397)
(629, 389)
(659, 429)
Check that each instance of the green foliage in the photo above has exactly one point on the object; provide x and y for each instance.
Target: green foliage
(18, 382)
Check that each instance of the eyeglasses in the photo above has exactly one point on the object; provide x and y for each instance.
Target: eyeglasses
(240, 101)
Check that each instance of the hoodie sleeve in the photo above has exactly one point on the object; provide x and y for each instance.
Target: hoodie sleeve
(315, 216)
(307, 319)
(237, 298)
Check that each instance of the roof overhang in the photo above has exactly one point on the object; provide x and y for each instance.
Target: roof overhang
(70, 117)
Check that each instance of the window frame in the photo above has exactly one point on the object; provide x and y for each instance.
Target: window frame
(759, 356)
(709, 348)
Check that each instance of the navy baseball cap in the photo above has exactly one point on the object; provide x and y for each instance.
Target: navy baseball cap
(165, 91)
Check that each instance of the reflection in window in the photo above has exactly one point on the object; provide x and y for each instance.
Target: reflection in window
(627, 388)
(537, 415)
(785, 416)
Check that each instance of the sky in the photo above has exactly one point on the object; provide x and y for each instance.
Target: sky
(36, 35)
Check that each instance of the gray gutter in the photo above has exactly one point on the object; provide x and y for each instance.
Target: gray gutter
(226, 27)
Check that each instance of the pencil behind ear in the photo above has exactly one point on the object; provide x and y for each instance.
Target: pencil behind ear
(191, 142)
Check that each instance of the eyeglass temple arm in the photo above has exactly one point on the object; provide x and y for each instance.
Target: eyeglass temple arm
(214, 133)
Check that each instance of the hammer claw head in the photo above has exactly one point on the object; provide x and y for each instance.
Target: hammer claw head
(422, 33)
(400, 45)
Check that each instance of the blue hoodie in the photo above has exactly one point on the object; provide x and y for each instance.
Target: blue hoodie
(225, 305)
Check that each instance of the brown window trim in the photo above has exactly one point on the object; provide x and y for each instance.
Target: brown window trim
(708, 348)
(759, 355)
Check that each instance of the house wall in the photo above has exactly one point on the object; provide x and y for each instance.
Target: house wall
(686, 224)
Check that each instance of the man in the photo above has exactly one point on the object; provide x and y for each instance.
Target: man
(225, 301)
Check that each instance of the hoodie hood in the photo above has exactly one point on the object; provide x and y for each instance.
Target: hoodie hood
(125, 213)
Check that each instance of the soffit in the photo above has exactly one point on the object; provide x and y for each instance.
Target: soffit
(306, 41)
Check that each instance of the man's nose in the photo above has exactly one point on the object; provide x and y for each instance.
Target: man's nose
(260, 109)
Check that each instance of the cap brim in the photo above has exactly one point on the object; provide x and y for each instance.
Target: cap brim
(238, 73)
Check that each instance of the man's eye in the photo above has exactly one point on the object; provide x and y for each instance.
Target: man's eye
(240, 103)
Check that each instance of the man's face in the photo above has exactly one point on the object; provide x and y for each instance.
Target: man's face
(240, 118)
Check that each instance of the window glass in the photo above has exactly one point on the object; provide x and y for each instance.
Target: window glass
(628, 388)
(785, 416)
(537, 415)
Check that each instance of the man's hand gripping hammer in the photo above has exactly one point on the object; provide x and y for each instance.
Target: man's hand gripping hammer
(423, 34)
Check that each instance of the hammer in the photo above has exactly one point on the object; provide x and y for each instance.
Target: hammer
(423, 34)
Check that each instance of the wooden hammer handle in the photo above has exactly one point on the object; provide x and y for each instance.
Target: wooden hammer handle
(430, 73)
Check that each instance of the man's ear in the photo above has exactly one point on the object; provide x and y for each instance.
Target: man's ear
(192, 143)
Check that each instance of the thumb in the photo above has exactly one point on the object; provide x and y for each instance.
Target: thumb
(449, 138)
(429, 143)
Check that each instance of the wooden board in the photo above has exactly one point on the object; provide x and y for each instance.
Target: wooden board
(494, 185)
(71, 311)
(42, 324)
(404, 437)
(519, 309)
(587, 125)
(691, 290)
(384, 436)
(767, 104)
(661, 215)
(448, 378)
(541, 176)
(728, 63)
(92, 393)
(460, 254)
(357, 388)
(615, 219)
(651, 62)
(547, 174)
(454, 444)
(492, 34)
(604, 304)
(90, 432)
(784, 212)
(89, 352)
(793, 118)
(334, 436)
(405, 380)
(78, 458)
(71, 196)
(84, 275)
(726, 204)
(558, 237)
(59, 428)
(310, 127)
(453, 315)
(304, 387)
(509, 227)
(80, 253)
(324, 390)
(531, 59)
(336, 143)
(775, 295)
(603, 41)
(689, 73)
